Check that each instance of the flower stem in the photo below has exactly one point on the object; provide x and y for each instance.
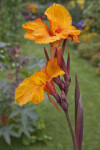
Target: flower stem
(70, 127)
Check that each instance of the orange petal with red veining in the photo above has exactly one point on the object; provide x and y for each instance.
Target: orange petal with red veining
(27, 91)
(32, 88)
(38, 31)
(53, 71)
(59, 18)
(71, 30)
(39, 78)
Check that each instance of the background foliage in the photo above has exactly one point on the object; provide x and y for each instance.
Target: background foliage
(20, 122)
(10, 19)
(92, 16)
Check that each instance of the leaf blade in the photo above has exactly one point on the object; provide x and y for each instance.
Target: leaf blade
(78, 117)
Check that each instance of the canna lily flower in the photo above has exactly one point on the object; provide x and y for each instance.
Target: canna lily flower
(32, 88)
(60, 27)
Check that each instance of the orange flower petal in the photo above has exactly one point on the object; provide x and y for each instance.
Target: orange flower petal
(32, 88)
(71, 30)
(52, 71)
(74, 38)
(39, 78)
(55, 70)
(59, 17)
(38, 95)
(38, 31)
(43, 70)
(23, 93)
(29, 35)
(27, 91)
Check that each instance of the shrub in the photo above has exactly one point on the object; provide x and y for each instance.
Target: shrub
(91, 16)
(10, 19)
(90, 48)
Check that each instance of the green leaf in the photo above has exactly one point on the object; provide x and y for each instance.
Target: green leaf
(13, 114)
(6, 136)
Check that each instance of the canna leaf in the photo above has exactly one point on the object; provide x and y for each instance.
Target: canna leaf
(78, 117)
(7, 138)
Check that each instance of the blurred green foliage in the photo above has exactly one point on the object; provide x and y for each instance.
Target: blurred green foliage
(90, 48)
(19, 122)
(92, 16)
(51, 1)
(10, 19)
(15, 121)
(4, 57)
(75, 11)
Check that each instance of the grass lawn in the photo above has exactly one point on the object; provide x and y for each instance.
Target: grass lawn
(56, 124)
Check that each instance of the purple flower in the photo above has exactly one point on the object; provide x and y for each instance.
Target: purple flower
(79, 24)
